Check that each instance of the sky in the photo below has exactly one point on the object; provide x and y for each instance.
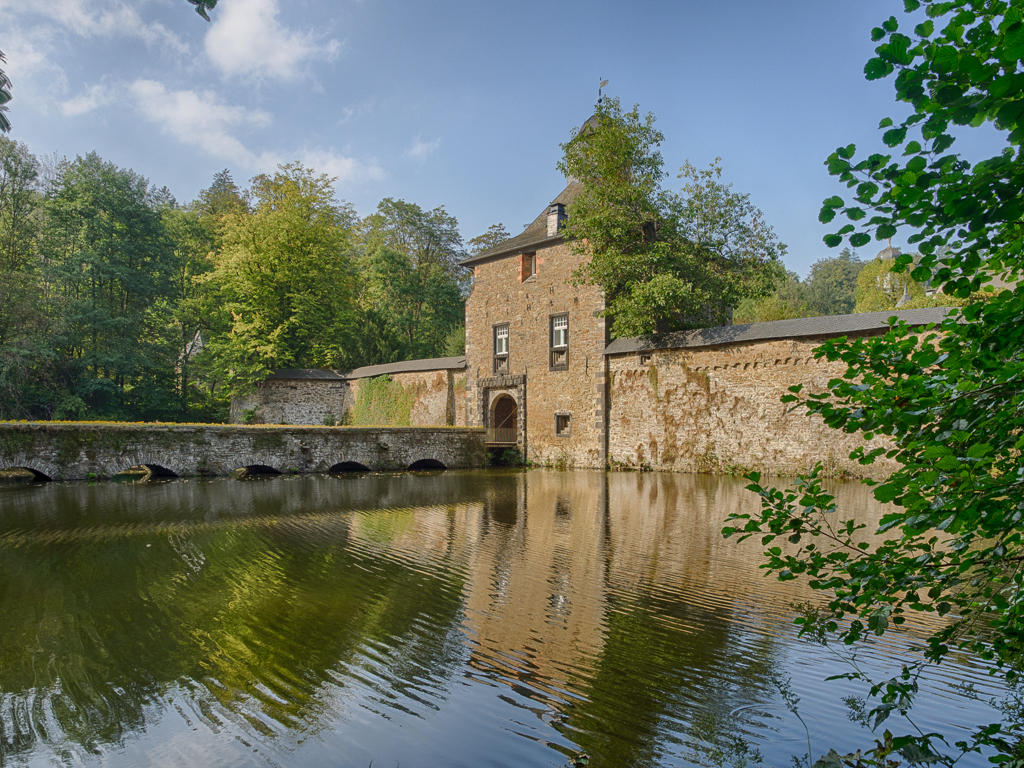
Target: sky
(454, 103)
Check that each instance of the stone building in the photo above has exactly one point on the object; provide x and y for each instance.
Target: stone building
(542, 375)
(535, 371)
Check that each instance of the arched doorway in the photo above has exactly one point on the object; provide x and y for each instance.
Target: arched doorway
(503, 429)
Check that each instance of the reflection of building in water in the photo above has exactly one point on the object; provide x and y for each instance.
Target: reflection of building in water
(535, 600)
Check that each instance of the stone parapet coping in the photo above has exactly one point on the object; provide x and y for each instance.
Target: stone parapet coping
(830, 325)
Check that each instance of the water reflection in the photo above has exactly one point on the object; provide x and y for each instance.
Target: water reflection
(500, 618)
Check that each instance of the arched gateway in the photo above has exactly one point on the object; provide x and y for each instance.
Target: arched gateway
(504, 423)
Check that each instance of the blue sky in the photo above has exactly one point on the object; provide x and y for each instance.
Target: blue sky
(453, 103)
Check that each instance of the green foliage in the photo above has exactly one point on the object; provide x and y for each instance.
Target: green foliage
(382, 401)
(785, 302)
(412, 294)
(880, 288)
(831, 284)
(948, 399)
(495, 235)
(283, 274)
(108, 266)
(665, 261)
(5, 96)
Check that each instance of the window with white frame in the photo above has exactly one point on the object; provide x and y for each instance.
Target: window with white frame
(501, 348)
(559, 342)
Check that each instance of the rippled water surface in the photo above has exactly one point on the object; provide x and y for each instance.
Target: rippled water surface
(435, 619)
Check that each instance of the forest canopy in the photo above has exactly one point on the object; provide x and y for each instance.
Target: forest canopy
(118, 302)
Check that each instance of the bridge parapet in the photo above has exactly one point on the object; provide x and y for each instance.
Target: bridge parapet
(81, 450)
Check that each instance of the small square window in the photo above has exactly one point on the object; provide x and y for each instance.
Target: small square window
(645, 358)
(563, 425)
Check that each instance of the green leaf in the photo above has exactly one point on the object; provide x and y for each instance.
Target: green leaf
(1013, 46)
(894, 137)
(859, 239)
(885, 123)
(877, 68)
(945, 60)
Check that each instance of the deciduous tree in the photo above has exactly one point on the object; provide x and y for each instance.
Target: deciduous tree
(285, 278)
(664, 260)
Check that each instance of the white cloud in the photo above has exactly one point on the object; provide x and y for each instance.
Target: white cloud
(94, 97)
(201, 120)
(247, 39)
(420, 149)
(348, 170)
(89, 18)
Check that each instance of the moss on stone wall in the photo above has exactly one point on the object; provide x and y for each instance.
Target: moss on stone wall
(15, 442)
(382, 401)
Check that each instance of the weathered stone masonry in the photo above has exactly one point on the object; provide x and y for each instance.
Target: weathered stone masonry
(710, 400)
(69, 451)
(305, 396)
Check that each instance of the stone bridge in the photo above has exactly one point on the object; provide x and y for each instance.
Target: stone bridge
(81, 451)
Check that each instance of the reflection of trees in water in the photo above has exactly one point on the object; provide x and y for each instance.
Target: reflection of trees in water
(608, 603)
(253, 619)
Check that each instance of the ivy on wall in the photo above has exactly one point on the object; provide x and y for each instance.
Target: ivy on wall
(382, 401)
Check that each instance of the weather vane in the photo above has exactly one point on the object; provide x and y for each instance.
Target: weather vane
(600, 98)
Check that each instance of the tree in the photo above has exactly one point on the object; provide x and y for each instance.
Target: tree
(495, 235)
(665, 261)
(108, 264)
(784, 303)
(949, 399)
(880, 288)
(202, 6)
(5, 96)
(413, 289)
(26, 365)
(426, 237)
(285, 279)
(831, 283)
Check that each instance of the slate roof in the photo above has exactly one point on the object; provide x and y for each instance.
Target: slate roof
(369, 371)
(530, 239)
(833, 325)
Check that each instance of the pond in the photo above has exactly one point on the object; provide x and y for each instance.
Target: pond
(478, 618)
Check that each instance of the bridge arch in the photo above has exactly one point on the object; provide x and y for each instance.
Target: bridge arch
(427, 464)
(257, 470)
(38, 476)
(150, 471)
(343, 467)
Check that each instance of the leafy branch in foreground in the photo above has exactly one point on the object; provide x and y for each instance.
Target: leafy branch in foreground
(947, 398)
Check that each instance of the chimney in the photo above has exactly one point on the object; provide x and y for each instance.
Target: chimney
(556, 217)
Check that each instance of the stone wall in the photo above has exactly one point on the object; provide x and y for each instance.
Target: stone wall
(714, 409)
(501, 296)
(295, 401)
(316, 401)
(71, 451)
